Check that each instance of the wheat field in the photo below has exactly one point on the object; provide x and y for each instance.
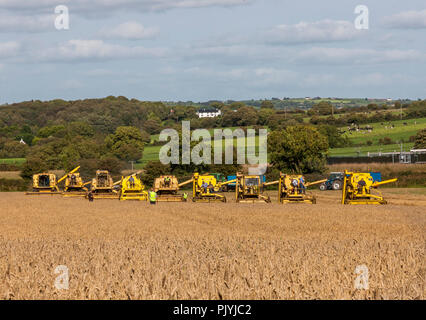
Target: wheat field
(133, 250)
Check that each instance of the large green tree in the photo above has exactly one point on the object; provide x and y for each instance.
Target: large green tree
(335, 138)
(420, 140)
(298, 149)
(126, 143)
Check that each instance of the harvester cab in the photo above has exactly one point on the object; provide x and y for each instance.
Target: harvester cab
(132, 188)
(102, 186)
(44, 183)
(74, 185)
(292, 189)
(167, 188)
(205, 188)
(249, 189)
(358, 189)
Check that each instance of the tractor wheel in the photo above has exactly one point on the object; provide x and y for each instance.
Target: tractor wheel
(337, 185)
(323, 187)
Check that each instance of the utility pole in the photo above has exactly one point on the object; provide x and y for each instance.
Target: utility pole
(132, 162)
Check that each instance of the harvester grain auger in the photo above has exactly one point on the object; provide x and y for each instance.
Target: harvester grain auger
(292, 189)
(132, 188)
(358, 187)
(102, 186)
(44, 184)
(205, 188)
(74, 185)
(167, 188)
(249, 189)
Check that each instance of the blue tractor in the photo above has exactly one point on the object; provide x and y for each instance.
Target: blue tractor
(335, 180)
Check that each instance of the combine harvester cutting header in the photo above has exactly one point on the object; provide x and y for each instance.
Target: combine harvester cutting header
(132, 188)
(357, 189)
(74, 185)
(292, 189)
(44, 183)
(167, 188)
(102, 186)
(249, 189)
(205, 188)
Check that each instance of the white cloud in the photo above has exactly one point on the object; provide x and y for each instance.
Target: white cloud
(96, 6)
(9, 49)
(357, 56)
(72, 84)
(21, 23)
(97, 50)
(309, 32)
(407, 20)
(379, 79)
(131, 30)
(99, 73)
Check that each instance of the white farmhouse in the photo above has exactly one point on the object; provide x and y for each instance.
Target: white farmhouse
(208, 113)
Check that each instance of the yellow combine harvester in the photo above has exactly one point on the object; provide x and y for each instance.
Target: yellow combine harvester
(205, 188)
(74, 185)
(43, 184)
(132, 188)
(358, 186)
(102, 186)
(249, 189)
(167, 188)
(292, 189)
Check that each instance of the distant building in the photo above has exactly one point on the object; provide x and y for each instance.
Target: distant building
(208, 113)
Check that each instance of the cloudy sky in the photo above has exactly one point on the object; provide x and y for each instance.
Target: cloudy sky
(211, 49)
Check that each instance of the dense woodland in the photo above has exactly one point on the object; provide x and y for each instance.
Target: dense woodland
(110, 132)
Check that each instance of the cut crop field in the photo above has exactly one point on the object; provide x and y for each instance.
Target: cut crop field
(133, 250)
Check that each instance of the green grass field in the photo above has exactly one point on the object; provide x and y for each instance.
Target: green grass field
(363, 150)
(17, 161)
(400, 131)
